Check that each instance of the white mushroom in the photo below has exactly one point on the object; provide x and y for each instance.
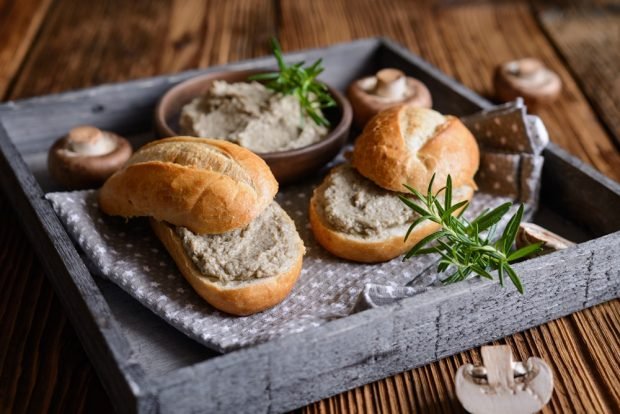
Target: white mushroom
(86, 157)
(528, 78)
(388, 87)
(504, 386)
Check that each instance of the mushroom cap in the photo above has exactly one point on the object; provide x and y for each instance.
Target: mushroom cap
(71, 161)
(528, 78)
(367, 104)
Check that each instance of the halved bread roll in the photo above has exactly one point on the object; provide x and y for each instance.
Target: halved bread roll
(355, 219)
(243, 271)
(407, 145)
(209, 186)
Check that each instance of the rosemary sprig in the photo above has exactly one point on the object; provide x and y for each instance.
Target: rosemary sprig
(462, 244)
(296, 80)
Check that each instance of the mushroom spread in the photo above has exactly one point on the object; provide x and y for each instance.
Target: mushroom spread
(86, 157)
(251, 115)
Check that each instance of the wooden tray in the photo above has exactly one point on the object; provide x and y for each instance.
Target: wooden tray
(148, 366)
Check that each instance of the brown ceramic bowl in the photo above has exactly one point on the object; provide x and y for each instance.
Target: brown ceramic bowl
(287, 166)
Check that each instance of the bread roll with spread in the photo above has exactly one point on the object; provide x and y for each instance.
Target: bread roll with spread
(407, 145)
(211, 204)
(356, 213)
(209, 186)
(243, 271)
(355, 219)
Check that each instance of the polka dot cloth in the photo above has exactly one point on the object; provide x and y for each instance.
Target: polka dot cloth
(511, 143)
(128, 254)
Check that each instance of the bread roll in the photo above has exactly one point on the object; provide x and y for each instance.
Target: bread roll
(407, 145)
(357, 220)
(209, 186)
(243, 271)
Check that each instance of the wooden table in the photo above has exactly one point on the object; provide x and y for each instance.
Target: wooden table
(50, 46)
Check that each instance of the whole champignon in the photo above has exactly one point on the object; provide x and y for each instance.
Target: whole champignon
(527, 78)
(86, 157)
(389, 87)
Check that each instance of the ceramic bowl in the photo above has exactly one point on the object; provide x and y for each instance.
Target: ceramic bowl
(287, 166)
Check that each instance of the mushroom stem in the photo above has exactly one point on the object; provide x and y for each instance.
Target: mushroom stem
(90, 141)
(498, 363)
(391, 83)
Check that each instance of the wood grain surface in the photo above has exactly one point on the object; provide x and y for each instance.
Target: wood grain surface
(593, 55)
(73, 44)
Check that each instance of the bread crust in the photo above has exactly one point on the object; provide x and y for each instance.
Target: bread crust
(200, 197)
(381, 153)
(240, 298)
(367, 251)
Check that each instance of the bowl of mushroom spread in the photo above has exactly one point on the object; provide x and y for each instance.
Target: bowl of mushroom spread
(291, 120)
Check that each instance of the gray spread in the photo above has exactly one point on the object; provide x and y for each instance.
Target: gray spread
(352, 204)
(249, 114)
(266, 247)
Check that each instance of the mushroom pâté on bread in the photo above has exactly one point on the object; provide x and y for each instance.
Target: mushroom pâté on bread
(211, 204)
(356, 213)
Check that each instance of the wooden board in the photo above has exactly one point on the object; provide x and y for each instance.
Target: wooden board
(581, 348)
(593, 55)
(288, 372)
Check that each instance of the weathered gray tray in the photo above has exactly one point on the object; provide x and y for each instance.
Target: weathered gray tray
(148, 366)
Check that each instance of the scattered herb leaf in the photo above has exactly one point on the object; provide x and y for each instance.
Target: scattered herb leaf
(296, 80)
(462, 244)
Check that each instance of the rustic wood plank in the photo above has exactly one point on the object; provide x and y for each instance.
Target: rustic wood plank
(43, 367)
(113, 41)
(81, 43)
(411, 28)
(19, 23)
(593, 55)
(466, 41)
(84, 44)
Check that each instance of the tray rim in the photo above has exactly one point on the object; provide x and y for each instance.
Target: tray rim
(113, 354)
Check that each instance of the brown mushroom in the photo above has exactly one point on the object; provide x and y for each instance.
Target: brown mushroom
(530, 233)
(389, 87)
(527, 78)
(86, 157)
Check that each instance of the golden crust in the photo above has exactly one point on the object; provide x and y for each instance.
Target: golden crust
(207, 196)
(242, 298)
(381, 153)
(359, 250)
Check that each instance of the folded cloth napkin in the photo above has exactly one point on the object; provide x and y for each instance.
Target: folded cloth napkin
(511, 143)
(128, 254)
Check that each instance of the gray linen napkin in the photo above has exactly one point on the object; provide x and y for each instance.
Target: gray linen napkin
(128, 254)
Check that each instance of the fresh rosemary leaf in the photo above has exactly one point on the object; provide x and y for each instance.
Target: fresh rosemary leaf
(524, 251)
(514, 278)
(296, 80)
(500, 275)
(448, 197)
(490, 218)
(510, 232)
(421, 211)
(419, 245)
(463, 245)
